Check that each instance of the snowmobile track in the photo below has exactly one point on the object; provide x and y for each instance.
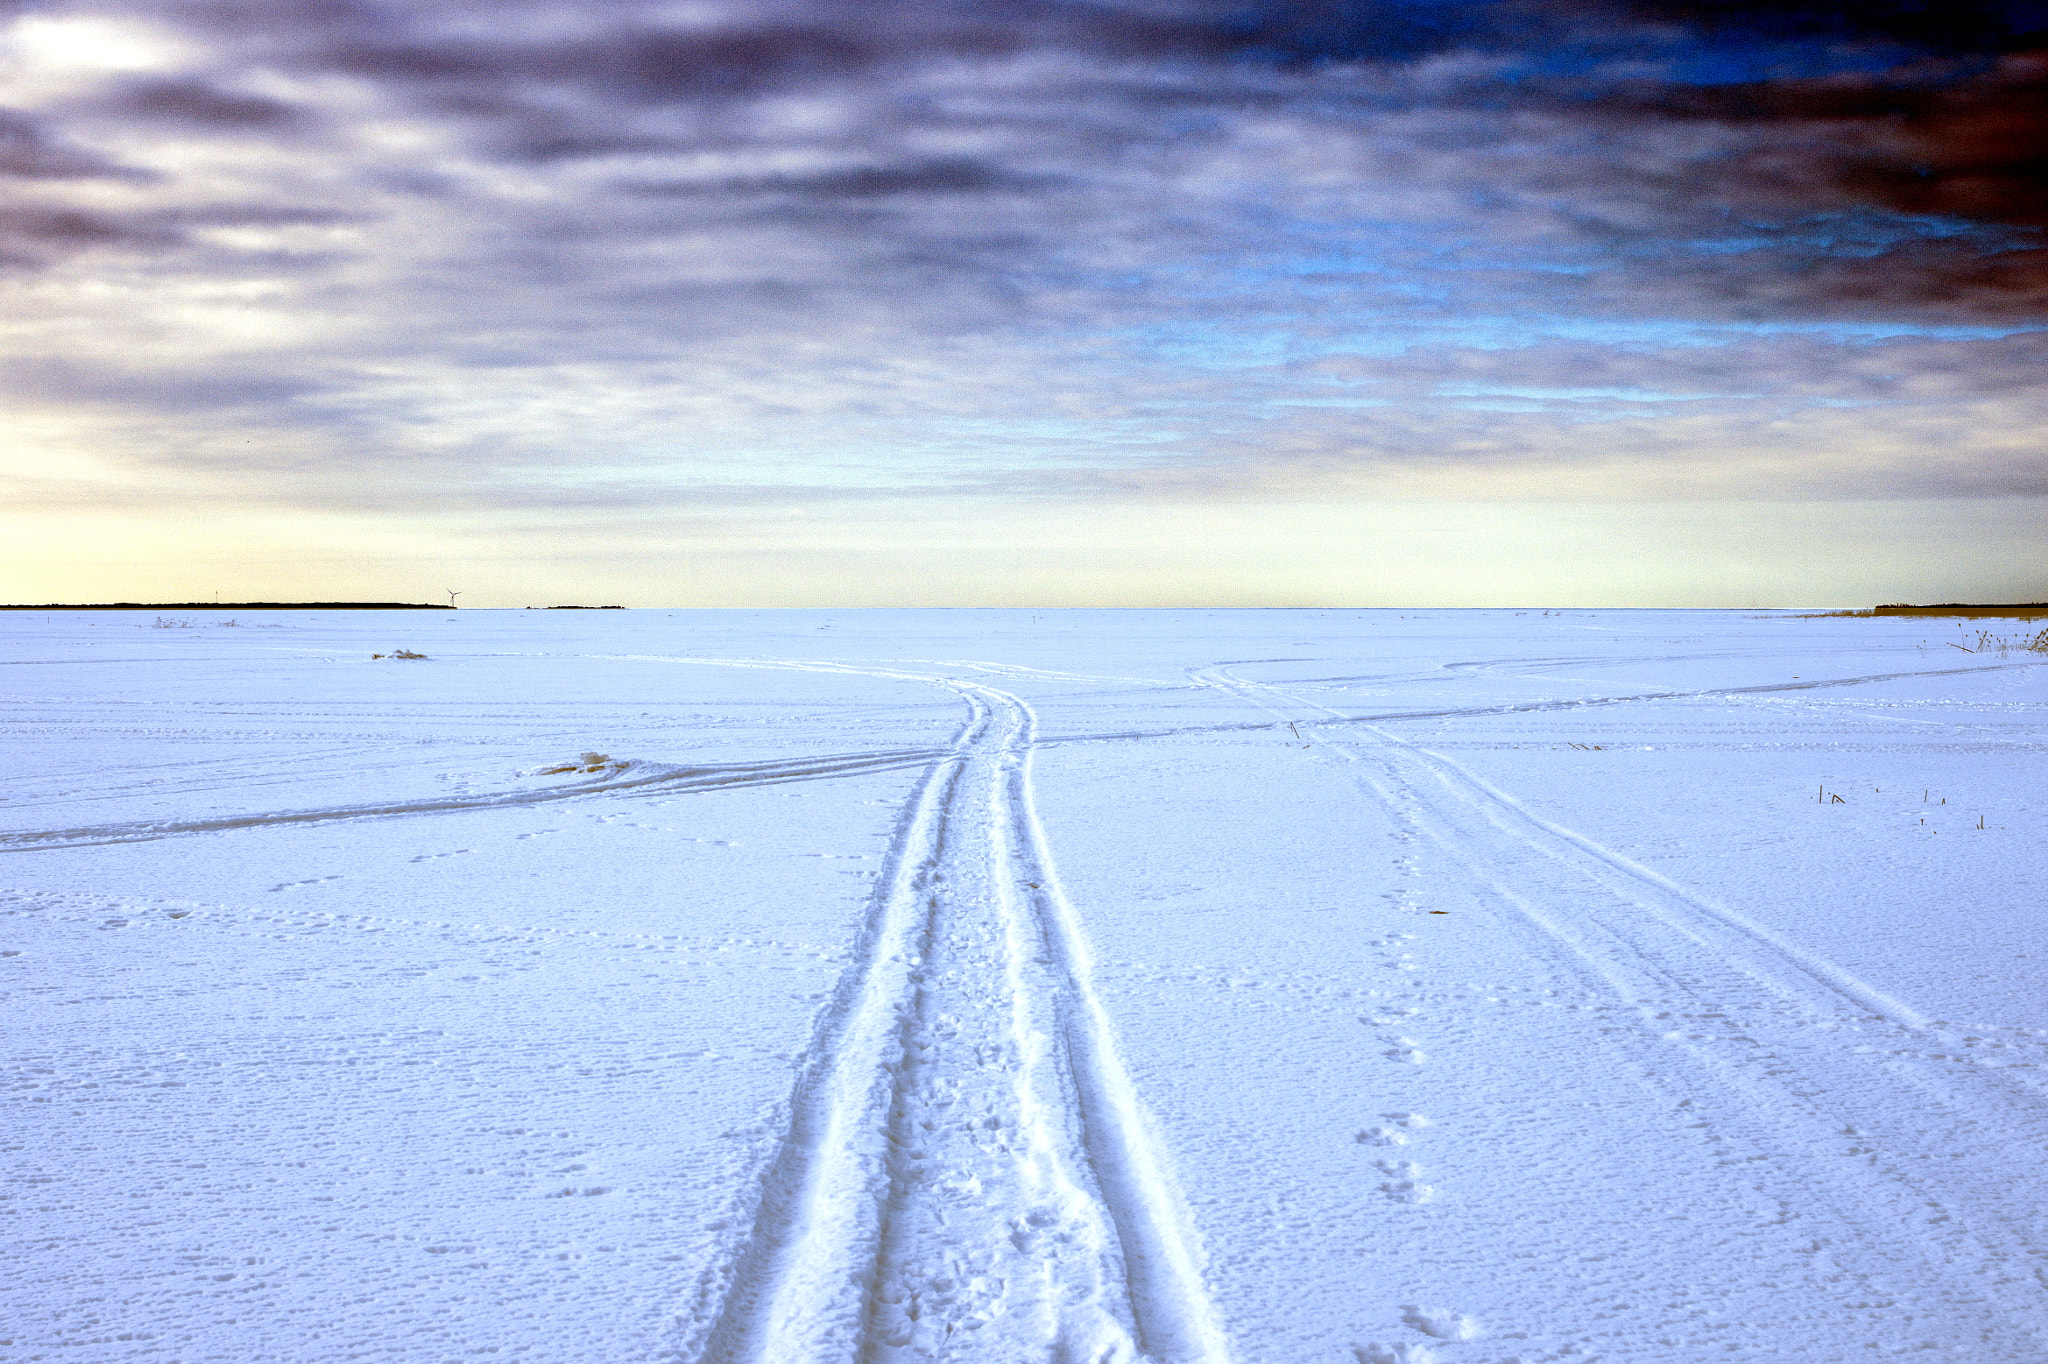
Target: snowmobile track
(1742, 999)
(966, 1172)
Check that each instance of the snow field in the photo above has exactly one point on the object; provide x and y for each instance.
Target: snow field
(1473, 987)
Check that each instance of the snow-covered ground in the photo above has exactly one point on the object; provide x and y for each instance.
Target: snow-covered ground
(1280, 987)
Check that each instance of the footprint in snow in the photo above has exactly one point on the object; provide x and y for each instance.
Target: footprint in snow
(1390, 1132)
(1409, 1191)
(288, 885)
(1404, 1353)
(1441, 1325)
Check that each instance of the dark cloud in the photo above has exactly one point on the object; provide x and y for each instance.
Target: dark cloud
(1968, 146)
(1800, 369)
(32, 236)
(541, 145)
(1977, 150)
(28, 152)
(620, 52)
(943, 175)
(1899, 108)
(195, 101)
(256, 215)
(1964, 26)
(1935, 130)
(949, 242)
(207, 389)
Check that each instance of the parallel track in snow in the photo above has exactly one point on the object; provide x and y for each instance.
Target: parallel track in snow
(1808, 1052)
(966, 1173)
(626, 778)
(1730, 938)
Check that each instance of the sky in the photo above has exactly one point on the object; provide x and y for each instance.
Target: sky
(1025, 302)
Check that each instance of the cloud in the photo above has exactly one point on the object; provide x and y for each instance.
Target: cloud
(197, 102)
(478, 257)
(28, 152)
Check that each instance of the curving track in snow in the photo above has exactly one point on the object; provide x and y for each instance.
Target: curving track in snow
(1803, 1052)
(966, 1172)
(635, 778)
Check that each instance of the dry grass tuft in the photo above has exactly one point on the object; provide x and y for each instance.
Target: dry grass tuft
(1988, 643)
(2019, 612)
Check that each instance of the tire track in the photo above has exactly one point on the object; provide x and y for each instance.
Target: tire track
(966, 1172)
(636, 778)
(1733, 937)
(1939, 1151)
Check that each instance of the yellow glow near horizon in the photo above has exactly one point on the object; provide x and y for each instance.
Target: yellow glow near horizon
(964, 553)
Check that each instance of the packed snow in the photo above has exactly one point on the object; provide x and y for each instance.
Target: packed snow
(810, 987)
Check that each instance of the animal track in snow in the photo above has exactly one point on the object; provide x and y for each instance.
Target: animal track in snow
(1454, 1327)
(621, 822)
(1400, 1048)
(429, 857)
(1404, 1177)
(1409, 1191)
(1404, 1353)
(1441, 1325)
(288, 885)
(1438, 1325)
(1404, 1183)
(1391, 1131)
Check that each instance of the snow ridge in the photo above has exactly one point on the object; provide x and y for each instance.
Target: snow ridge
(966, 1173)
